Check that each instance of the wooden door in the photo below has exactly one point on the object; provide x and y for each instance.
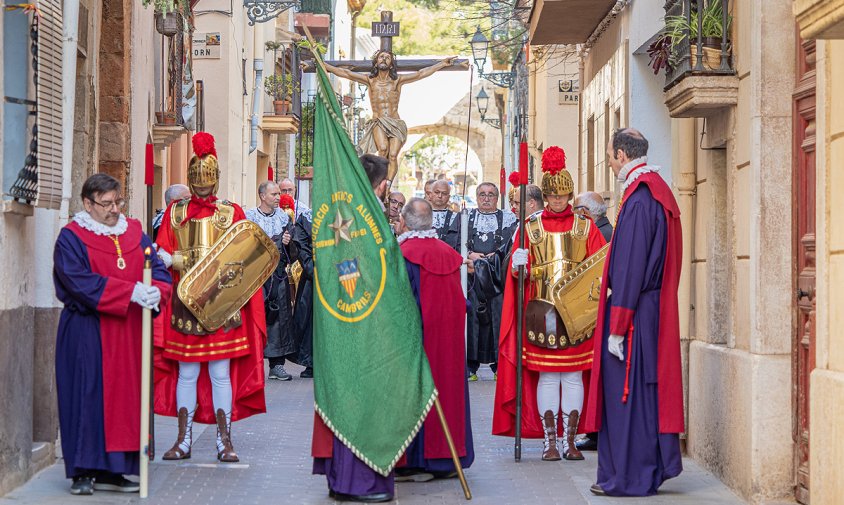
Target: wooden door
(803, 342)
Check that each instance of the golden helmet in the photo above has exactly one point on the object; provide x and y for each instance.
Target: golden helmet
(203, 169)
(556, 180)
(515, 181)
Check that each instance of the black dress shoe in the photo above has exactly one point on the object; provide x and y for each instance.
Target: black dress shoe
(598, 490)
(82, 485)
(365, 498)
(307, 373)
(587, 444)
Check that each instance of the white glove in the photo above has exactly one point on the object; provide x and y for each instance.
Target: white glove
(615, 346)
(520, 258)
(153, 297)
(140, 294)
(165, 258)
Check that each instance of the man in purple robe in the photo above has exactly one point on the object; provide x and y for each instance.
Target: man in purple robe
(636, 393)
(97, 271)
(349, 478)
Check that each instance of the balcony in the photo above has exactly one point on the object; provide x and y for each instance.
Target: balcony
(820, 19)
(566, 21)
(281, 124)
(699, 86)
(316, 15)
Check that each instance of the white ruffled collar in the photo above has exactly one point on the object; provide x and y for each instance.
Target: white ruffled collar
(85, 221)
(628, 175)
(432, 233)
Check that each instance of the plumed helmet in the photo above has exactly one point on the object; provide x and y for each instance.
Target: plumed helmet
(287, 204)
(556, 180)
(203, 169)
(515, 182)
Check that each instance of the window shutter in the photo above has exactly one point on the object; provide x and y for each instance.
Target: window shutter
(49, 99)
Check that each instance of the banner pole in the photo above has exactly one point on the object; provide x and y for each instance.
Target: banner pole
(456, 459)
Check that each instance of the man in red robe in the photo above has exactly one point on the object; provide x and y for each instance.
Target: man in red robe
(434, 272)
(554, 363)
(231, 384)
(97, 271)
(636, 395)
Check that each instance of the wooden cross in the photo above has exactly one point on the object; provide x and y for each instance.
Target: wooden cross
(386, 30)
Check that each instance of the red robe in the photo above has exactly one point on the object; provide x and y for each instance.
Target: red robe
(443, 309)
(245, 346)
(669, 372)
(571, 359)
(120, 326)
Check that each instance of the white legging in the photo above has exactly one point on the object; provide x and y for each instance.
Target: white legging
(221, 386)
(548, 392)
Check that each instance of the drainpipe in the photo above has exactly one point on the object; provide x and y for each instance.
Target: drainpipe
(685, 161)
(70, 35)
(258, 66)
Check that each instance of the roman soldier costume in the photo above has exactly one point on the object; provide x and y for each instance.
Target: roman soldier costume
(557, 347)
(205, 374)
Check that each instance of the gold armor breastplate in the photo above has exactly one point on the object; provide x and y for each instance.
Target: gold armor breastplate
(193, 241)
(554, 254)
(195, 238)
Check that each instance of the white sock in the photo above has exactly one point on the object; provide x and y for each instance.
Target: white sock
(548, 392)
(572, 398)
(221, 392)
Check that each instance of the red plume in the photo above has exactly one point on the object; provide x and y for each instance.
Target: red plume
(515, 179)
(286, 202)
(203, 144)
(553, 160)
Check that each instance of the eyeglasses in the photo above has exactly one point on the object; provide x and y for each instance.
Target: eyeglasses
(120, 203)
(397, 203)
(441, 193)
(487, 196)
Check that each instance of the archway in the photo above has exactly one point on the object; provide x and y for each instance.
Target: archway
(436, 156)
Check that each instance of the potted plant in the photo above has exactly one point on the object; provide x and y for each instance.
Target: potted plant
(168, 19)
(281, 88)
(679, 29)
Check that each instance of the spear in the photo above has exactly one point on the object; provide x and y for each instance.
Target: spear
(520, 298)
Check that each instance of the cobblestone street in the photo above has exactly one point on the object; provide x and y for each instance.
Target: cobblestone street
(275, 467)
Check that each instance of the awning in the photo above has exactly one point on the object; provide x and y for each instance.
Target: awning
(566, 21)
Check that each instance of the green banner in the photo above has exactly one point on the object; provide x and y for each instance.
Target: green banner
(372, 383)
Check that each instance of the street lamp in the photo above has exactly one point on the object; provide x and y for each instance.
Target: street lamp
(480, 45)
(482, 99)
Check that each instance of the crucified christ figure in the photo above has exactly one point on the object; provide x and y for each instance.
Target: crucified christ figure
(386, 133)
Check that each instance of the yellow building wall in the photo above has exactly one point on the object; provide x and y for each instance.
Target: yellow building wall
(826, 430)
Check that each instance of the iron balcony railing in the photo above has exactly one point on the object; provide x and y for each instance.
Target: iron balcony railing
(695, 21)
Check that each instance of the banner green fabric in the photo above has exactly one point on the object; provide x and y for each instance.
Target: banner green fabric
(372, 382)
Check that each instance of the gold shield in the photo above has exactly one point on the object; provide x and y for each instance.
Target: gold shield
(576, 296)
(225, 279)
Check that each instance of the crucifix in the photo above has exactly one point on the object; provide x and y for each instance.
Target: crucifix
(386, 133)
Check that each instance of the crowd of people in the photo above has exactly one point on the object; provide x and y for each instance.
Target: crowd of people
(619, 387)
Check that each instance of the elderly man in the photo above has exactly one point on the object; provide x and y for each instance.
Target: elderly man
(174, 193)
(288, 187)
(98, 266)
(593, 206)
(428, 185)
(489, 229)
(278, 308)
(636, 392)
(443, 215)
(434, 272)
(395, 203)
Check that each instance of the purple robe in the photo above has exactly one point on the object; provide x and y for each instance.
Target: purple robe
(79, 372)
(634, 459)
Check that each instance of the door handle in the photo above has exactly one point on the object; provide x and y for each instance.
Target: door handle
(805, 294)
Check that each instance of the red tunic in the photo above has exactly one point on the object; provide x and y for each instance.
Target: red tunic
(535, 359)
(244, 345)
